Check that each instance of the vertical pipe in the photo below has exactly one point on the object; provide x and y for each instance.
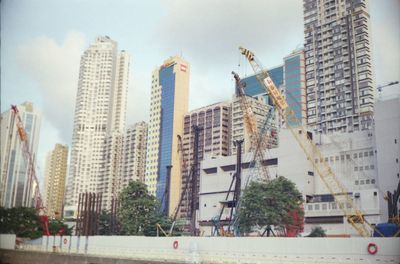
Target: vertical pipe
(194, 179)
(78, 216)
(86, 218)
(168, 190)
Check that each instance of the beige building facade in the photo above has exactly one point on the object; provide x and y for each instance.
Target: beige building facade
(55, 176)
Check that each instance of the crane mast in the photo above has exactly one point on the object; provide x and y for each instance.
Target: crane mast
(340, 193)
(257, 141)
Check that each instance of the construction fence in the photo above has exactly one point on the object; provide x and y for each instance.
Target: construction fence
(221, 249)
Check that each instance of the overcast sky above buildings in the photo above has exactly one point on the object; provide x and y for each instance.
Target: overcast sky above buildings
(42, 41)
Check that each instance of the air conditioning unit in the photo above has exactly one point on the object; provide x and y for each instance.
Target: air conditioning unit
(357, 195)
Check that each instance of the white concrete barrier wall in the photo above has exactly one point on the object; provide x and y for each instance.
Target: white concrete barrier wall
(208, 248)
(225, 249)
(7, 241)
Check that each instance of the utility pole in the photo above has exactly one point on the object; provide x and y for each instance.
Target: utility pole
(194, 180)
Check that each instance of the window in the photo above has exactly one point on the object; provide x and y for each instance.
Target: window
(356, 182)
(355, 168)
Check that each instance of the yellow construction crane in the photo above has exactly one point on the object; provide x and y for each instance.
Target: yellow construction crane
(342, 196)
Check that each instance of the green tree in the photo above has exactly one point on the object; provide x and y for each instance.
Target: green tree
(317, 232)
(22, 221)
(270, 203)
(105, 223)
(138, 211)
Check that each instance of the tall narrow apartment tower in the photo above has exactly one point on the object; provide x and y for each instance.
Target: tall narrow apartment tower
(55, 175)
(169, 103)
(339, 79)
(99, 111)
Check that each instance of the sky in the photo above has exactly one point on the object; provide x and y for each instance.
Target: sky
(42, 41)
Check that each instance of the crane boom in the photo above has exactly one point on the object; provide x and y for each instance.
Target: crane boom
(340, 193)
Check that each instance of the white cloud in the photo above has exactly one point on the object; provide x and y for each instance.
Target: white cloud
(385, 20)
(208, 33)
(55, 69)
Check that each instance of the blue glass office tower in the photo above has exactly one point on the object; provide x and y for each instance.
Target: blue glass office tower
(294, 79)
(291, 77)
(253, 87)
(169, 103)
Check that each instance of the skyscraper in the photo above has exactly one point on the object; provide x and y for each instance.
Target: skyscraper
(15, 186)
(339, 82)
(99, 111)
(55, 176)
(169, 103)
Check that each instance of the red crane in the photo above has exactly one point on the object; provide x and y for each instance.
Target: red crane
(32, 180)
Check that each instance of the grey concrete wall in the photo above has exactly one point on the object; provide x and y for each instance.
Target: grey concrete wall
(30, 257)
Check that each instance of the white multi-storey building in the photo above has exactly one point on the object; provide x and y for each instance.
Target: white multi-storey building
(339, 80)
(99, 111)
(387, 131)
(133, 158)
(16, 189)
(351, 156)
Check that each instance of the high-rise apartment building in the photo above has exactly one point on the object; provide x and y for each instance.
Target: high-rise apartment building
(16, 187)
(134, 153)
(340, 86)
(238, 128)
(99, 111)
(213, 122)
(123, 160)
(55, 176)
(109, 180)
(169, 103)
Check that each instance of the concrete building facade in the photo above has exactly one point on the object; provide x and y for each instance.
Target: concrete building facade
(99, 111)
(133, 153)
(214, 139)
(238, 128)
(387, 132)
(339, 79)
(55, 177)
(351, 156)
(169, 103)
(16, 189)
